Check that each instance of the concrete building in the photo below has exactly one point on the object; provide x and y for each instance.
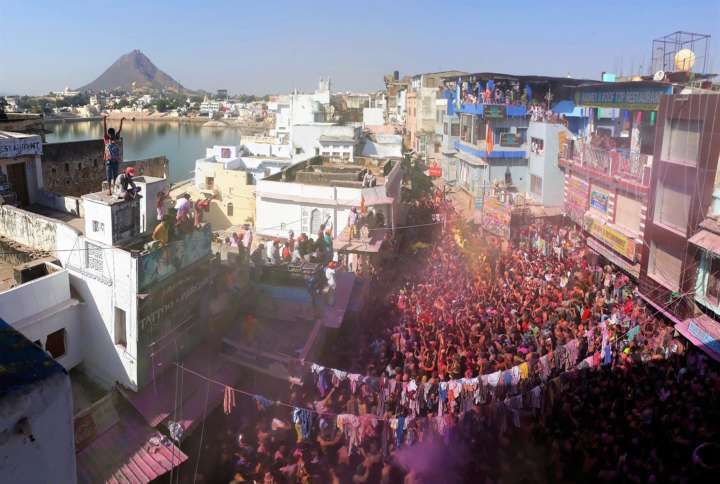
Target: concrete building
(681, 253)
(319, 191)
(227, 176)
(20, 171)
(36, 414)
(420, 125)
(325, 139)
(373, 117)
(607, 167)
(502, 143)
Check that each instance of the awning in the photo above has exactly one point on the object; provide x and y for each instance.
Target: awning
(129, 451)
(609, 254)
(161, 399)
(709, 241)
(703, 332)
(468, 158)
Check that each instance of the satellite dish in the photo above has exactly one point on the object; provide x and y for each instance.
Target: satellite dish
(684, 60)
(659, 75)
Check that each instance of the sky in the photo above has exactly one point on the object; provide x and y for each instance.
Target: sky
(274, 46)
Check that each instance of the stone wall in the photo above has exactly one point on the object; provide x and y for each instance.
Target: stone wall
(75, 168)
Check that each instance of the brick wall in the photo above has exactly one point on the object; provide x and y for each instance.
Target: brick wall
(75, 168)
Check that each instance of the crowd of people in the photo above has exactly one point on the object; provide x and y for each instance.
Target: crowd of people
(495, 362)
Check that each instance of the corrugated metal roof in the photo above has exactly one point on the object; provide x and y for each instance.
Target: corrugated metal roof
(130, 451)
(707, 240)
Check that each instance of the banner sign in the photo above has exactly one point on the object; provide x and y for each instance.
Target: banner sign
(496, 217)
(599, 199)
(494, 111)
(510, 139)
(622, 96)
(616, 240)
(576, 197)
(25, 146)
(435, 171)
(632, 269)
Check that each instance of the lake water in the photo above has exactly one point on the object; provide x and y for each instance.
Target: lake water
(181, 143)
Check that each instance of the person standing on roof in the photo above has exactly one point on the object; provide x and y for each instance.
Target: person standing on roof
(112, 154)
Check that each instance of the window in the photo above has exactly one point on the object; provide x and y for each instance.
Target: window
(455, 129)
(95, 163)
(120, 327)
(712, 293)
(67, 167)
(79, 166)
(55, 343)
(437, 147)
(445, 128)
(315, 221)
(230, 209)
(209, 182)
(537, 146)
(672, 204)
(94, 257)
(681, 140)
(346, 156)
(664, 266)
(536, 184)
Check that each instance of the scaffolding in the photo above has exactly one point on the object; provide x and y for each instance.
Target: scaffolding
(666, 47)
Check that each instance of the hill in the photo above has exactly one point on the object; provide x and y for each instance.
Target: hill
(133, 71)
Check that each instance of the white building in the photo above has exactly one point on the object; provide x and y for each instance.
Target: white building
(383, 146)
(36, 414)
(325, 139)
(373, 117)
(210, 106)
(311, 193)
(240, 158)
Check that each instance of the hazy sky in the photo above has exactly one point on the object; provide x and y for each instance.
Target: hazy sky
(250, 46)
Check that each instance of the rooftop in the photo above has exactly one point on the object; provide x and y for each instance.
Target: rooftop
(322, 171)
(22, 362)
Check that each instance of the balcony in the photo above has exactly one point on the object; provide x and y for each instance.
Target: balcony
(618, 164)
(479, 149)
(494, 111)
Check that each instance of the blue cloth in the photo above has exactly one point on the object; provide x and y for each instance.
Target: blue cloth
(443, 394)
(528, 92)
(304, 418)
(507, 377)
(400, 431)
(111, 171)
(491, 85)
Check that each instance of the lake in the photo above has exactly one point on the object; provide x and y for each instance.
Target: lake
(181, 143)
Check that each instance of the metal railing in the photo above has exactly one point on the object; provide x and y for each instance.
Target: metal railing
(621, 163)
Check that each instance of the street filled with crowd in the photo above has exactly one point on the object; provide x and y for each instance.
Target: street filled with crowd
(491, 361)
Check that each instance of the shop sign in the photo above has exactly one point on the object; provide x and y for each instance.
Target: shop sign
(599, 200)
(701, 334)
(16, 147)
(510, 139)
(617, 241)
(639, 97)
(495, 111)
(576, 197)
(632, 269)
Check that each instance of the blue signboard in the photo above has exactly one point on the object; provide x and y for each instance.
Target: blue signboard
(622, 96)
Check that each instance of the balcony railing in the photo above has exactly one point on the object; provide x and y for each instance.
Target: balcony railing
(618, 163)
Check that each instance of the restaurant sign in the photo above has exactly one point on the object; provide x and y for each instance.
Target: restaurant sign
(24, 146)
(617, 241)
(623, 96)
(496, 217)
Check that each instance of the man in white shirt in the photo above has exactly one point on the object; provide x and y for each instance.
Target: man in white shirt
(331, 284)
